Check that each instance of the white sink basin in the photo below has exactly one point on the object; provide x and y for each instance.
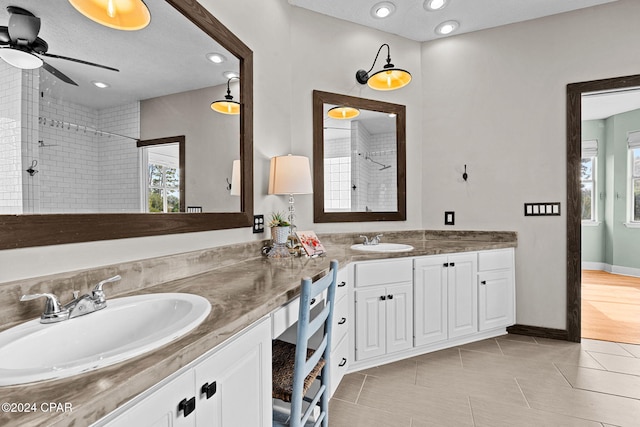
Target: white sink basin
(126, 328)
(383, 247)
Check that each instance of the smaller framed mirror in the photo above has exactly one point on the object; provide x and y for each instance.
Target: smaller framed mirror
(359, 159)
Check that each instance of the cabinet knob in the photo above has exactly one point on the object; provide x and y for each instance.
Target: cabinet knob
(446, 264)
(342, 321)
(390, 296)
(209, 389)
(452, 264)
(342, 362)
(484, 282)
(383, 297)
(342, 284)
(187, 406)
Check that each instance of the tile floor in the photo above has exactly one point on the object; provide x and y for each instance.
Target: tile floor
(509, 381)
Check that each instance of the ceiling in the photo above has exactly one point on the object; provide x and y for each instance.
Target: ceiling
(168, 56)
(412, 21)
(600, 105)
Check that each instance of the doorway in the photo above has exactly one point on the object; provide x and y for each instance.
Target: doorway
(575, 92)
(163, 179)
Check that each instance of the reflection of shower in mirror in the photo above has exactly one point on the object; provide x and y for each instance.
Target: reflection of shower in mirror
(366, 157)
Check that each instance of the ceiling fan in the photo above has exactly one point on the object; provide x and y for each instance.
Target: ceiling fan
(21, 47)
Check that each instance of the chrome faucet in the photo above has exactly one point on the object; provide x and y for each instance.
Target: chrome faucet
(372, 241)
(85, 304)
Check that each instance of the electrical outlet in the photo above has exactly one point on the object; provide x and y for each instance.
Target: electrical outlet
(258, 223)
(449, 218)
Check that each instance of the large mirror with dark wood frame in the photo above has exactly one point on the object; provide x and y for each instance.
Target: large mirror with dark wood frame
(358, 159)
(143, 155)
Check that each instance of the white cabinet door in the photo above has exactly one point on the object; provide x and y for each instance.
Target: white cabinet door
(370, 322)
(399, 313)
(430, 299)
(160, 408)
(241, 373)
(495, 299)
(462, 294)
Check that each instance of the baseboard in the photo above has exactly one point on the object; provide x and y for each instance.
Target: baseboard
(615, 269)
(538, 331)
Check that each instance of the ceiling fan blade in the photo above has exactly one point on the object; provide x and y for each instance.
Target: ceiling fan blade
(23, 29)
(4, 35)
(57, 73)
(50, 55)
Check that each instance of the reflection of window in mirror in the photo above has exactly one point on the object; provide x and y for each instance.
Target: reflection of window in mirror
(162, 186)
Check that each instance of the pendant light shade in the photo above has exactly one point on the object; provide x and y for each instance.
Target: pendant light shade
(126, 15)
(227, 105)
(343, 112)
(389, 78)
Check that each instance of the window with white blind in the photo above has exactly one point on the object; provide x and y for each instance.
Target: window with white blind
(633, 140)
(588, 179)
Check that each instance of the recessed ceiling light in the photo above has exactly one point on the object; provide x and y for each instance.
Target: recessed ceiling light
(230, 74)
(392, 115)
(447, 27)
(432, 5)
(383, 9)
(216, 58)
(101, 85)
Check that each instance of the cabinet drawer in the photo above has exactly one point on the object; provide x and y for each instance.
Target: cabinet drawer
(384, 272)
(339, 363)
(340, 322)
(495, 260)
(287, 315)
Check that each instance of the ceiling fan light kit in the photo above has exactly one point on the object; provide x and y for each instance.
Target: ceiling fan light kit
(20, 59)
(128, 15)
(389, 78)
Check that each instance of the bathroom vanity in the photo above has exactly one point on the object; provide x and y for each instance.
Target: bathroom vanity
(220, 371)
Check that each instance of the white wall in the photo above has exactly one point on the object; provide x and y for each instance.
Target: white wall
(494, 100)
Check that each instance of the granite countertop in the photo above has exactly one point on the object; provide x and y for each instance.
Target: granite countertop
(240, 294)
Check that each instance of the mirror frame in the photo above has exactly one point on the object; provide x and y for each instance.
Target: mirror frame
(19, 231)
(319, 215)
(574, 195)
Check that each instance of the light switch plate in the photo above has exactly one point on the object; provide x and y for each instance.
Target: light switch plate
(258, 223)
(449, 218)
(542, 209)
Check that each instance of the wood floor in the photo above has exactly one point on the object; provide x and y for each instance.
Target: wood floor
(610, 307)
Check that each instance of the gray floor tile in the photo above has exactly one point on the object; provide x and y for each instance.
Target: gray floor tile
(401, 371)
(345, 414)
(485, 346)
(448, 357)
(604, 408)
(602, 381)
(622, 364)
(420, 403)
(516, 337)
(634, 349)
(350, 387)
(569, 353)
(607, 347)
(491, 413)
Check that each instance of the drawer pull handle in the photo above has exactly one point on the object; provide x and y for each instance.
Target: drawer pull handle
(209, 389)
(342, 284)
(484, 282)
(383, 297)
(313, 301)
(187, 406)
(342, 321)
(390, 296)
(342, 362)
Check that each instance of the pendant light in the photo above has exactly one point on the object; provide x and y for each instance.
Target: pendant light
(343, 112)
(125, 15)
(389, 78)
(227, 105)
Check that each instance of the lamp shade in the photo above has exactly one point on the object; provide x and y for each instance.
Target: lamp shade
(290, 175)
(226, 107)
(119, 14)
(235, 178)
(389, 79)
(343, 113)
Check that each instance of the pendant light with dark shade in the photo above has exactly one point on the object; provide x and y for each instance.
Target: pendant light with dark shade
(389, 78)
(227, 105)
